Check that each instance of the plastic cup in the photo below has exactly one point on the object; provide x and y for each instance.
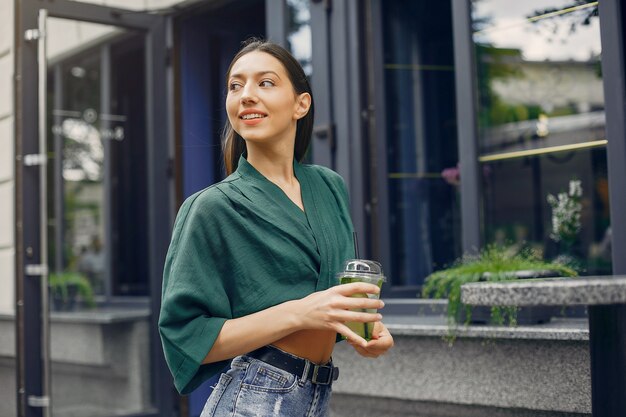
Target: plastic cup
(362, 270)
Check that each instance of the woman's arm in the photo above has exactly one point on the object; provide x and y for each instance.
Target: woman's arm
(324, 310)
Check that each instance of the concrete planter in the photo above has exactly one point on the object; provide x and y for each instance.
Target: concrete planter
(525, 315)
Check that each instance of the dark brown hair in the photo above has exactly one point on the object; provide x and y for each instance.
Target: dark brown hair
(233, 145)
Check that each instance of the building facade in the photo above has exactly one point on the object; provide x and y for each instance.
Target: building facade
(451, 123)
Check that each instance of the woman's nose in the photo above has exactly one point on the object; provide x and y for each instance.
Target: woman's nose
(248, 94)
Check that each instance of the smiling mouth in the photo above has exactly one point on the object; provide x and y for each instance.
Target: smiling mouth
(252, 116)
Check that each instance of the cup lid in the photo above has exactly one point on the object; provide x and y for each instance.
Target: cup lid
(363, 266)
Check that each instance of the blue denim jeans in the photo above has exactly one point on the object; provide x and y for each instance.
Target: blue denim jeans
(252, 388)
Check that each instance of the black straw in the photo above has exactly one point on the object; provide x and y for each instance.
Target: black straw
(356, 246)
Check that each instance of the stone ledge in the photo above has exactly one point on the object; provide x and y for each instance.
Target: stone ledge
(599, 290)
(557, 329)
(97, 316)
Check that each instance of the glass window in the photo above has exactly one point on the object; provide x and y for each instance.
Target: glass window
(421, 140)
(299, 33)
(98, 139)
(541, 127)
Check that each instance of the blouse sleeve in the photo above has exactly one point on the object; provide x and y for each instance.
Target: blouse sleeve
(194, 302)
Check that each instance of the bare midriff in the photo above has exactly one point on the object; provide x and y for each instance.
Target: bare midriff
(314, 345)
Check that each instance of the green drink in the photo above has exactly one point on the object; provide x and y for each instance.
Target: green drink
(362, 270)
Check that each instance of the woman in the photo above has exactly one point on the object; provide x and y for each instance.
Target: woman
(250, 271)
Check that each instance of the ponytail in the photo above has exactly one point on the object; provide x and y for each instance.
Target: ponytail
(233, 146)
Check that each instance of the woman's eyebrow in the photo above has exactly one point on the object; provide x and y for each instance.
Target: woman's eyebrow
(256, 74)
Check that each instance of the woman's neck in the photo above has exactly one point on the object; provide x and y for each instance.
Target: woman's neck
(275, 164)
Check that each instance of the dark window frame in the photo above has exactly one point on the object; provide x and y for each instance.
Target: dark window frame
(466, 99)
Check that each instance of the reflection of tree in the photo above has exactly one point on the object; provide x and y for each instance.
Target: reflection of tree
(493, 64)
(298, 19)
(83, 153)
(549, 19)
(498, 64)
(296, 14)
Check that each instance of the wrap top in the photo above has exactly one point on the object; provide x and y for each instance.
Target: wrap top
(241, 246)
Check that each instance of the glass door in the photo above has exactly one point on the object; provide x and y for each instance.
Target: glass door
(97, 223)
(102, 139)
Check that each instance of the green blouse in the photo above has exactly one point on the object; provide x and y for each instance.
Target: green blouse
(241, 246)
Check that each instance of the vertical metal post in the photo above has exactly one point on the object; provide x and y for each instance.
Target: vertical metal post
(324, 130)
(377, 135)
(351, 148)
(276, 21)
(107, 215)
(59, 192)
(465, 76)
(607, 324)
(43, 206)
(158, 200)
(32, 319)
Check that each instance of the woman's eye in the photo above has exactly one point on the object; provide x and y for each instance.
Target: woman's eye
(234, 86)
(267, 83)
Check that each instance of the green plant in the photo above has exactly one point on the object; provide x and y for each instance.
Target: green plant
(494, 263)
(61, 284)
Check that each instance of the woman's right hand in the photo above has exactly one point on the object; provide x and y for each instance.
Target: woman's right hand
(330, 309)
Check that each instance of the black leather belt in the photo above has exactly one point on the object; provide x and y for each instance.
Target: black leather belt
(305, 369)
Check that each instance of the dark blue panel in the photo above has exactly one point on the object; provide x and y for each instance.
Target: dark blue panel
(198, 141)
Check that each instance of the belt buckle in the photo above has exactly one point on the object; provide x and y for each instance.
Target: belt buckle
(330, 374)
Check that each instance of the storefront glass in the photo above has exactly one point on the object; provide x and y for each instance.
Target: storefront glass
(541, 128)
(97, 228)
(97, 119)
(421, 139)
(299, 33)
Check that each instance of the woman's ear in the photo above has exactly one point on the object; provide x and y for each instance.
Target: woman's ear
(303, 104)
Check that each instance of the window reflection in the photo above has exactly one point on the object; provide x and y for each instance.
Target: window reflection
(299, 32)
(541, 124)
(98, 205)
(539, 74)
(299, 42)
(517, 210)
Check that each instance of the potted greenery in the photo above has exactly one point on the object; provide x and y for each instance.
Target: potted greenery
(494, 263)
(67, 287)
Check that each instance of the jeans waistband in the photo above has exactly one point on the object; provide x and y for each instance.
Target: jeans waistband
(304, 368)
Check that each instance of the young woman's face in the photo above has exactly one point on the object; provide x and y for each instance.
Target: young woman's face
(261, 104)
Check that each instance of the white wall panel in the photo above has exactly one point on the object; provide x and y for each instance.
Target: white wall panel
(7, 281)
(7, 221)
(6, 149)
(6, 26)
(6, 85)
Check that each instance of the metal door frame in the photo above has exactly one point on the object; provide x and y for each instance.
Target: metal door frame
(31, 319)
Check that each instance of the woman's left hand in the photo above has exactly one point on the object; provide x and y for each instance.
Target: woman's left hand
(381, 342)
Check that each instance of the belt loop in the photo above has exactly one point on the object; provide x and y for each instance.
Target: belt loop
(305, 373)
